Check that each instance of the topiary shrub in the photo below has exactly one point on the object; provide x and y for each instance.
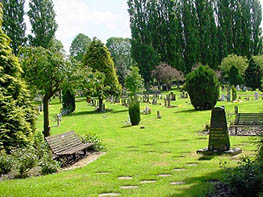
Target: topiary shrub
(203, 88)
(134, 112)
(68, 100)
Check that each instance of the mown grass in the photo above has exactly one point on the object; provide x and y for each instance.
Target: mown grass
(164, 144)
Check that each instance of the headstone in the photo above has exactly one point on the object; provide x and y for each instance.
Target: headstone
(218, 134)
(103, 107)
(228, 94)
(40, 108)
(222, 97)
(58, 118)
(158, 115)
(236, 109)
(238, 88)
(256, 96)
(168, 102)
(244, 88)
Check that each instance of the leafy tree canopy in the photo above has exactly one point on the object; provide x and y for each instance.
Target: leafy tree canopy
(79, 46)
(241, 63)
(134, 82)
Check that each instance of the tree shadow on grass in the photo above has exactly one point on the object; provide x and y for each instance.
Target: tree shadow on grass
(185, 111)
(119, 111)
(200, 186)
(126, 126)
(206, 157)
(89, 113)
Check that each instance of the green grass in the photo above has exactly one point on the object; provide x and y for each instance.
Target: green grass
(163, 145)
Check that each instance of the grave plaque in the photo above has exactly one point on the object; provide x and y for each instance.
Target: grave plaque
(218, 135)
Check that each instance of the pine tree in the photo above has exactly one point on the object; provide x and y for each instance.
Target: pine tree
(98, 59)
(42, 18)
(13, 23)
(16, 110)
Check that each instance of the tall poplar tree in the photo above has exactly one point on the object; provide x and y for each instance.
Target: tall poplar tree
(13, 23)
(42, 18)
(142, 48)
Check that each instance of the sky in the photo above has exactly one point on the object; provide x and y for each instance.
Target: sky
(100, 18)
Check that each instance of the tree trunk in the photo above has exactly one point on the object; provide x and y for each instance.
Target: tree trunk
(46, 131)
(100, 104)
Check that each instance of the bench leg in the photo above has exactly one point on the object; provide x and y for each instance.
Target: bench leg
(74, 156)
(235, 130)
(85, 152)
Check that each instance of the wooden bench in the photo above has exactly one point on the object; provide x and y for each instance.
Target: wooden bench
(247, 120)
(67, 144)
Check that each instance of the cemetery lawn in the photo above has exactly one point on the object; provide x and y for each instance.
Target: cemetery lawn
(163, 146)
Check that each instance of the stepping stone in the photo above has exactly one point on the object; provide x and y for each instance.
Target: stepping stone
(102, 173)
(191, 164)
(177, 183)
(147, 144)
(125, 178)
(109, 194)
(129, 187)
(147, 181)
(178, 169)
(164, 175)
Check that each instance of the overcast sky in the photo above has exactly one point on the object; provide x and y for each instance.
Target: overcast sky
(100, 18)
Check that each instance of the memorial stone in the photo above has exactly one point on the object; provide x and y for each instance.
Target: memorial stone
(256, 96)
(219, 141)
(228, 94)
(158, 115)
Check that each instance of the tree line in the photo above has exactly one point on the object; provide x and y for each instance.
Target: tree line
(183, 33)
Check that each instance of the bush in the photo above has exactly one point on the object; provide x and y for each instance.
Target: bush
(48, 165)
(246, 179)
(203, 88)
(5, 163)
(93, 138)
(24, 159)
(134, 112)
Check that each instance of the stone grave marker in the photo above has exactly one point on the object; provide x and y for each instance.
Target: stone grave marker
(236, 109)
(219, 141)
(256, 96)
(222, 97)
(228, 94)
(238, 88)
(158, 115)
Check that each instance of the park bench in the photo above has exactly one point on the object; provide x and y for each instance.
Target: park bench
(67, 144)
(243, 120)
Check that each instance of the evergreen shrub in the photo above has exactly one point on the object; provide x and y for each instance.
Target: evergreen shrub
(203, 88)
(134, 112)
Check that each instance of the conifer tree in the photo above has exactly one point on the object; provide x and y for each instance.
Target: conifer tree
(16, 110)
(13, 23)
(98, 59)
(253, 75)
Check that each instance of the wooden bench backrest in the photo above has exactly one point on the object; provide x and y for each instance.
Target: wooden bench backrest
(62, 142)
(249, 119)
